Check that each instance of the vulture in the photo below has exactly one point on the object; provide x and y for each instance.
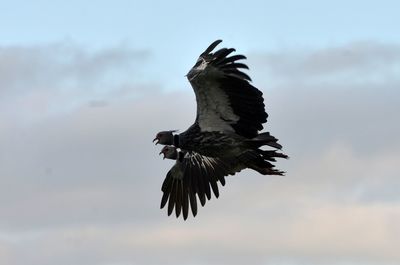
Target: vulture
(225, 136)
(194, 174)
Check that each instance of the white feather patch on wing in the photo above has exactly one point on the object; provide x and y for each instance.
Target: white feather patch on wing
(214, 110)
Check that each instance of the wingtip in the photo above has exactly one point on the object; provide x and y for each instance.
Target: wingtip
(212, 46)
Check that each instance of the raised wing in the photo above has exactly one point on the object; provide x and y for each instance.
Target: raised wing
(226, 101)
(194, 174)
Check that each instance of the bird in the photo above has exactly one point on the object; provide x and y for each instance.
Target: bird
(230, 115)
(193, 177)
(194, 174)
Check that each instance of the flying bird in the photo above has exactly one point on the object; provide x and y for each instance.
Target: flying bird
(191, 175)
(225, 137)
(194, 174)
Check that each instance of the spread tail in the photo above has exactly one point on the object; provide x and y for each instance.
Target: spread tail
(260, 161)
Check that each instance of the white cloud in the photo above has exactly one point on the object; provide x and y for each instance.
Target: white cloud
(354, 63)
(42, 80)
(83, 186)
(328, 234)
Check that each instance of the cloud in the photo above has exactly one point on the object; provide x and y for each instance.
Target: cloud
(42, 80)
(354, 63)
(352, 87)
(327, 234)
(83, 160)
(83, 186)
(26, 68)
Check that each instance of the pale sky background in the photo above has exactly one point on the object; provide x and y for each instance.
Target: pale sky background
(85, 85)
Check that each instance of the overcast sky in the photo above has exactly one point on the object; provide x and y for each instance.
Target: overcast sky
(85, 86)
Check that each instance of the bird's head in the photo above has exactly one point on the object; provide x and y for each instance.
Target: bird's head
(169, 152)
(165, 137)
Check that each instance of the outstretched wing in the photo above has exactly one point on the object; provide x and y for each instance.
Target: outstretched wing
(226, 101)
(194, 174)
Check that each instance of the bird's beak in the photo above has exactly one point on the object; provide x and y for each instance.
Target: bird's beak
(162, 152)
(156, 139)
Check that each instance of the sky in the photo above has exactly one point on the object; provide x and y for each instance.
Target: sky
(85, 86)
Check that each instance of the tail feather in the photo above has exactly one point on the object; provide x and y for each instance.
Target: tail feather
(264, 138)
(259, 161)
(271, 154)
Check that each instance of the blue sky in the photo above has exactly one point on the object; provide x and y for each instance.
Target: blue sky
(183, 28)
(85, 86)
(259, 24)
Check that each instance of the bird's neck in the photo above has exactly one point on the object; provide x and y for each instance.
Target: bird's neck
(176, 140)
(180, 157)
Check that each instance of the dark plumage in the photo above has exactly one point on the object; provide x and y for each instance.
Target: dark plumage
(225, 137)
(197, 175)
(226, 101)
(193, 175)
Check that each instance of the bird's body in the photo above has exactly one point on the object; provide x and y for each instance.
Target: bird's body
(212, 144)
(225, 137)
